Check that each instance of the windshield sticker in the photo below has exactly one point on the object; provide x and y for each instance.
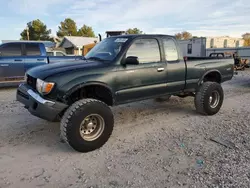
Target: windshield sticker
(121, 40)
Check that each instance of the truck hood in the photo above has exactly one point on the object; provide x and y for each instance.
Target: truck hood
(45, 71)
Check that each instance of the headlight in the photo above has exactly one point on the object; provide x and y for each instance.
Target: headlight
(44, 87)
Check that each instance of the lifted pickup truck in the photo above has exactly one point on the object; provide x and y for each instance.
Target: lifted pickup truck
(119, 70)
(17, 57)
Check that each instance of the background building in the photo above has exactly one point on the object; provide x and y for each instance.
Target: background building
(75, 45)
(224, 42)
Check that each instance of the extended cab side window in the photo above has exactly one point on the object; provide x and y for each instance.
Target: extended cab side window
(147, 50)
(11, 50)
(171, 52)
(33, 50)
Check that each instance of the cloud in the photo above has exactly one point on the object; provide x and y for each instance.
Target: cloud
(29, 7)
(168, 16)
(200, 17)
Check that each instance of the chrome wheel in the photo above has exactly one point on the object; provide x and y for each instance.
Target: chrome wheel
(92, 127)
(214, 99)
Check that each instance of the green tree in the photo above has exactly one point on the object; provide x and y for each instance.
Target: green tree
(134, 31)
(178, 36)
(186, 35)
(183, 36)
(67, 28)
(246, 38)
(86, 31)
(36, 30)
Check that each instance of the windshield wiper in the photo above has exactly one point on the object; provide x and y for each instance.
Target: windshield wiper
(96, 58)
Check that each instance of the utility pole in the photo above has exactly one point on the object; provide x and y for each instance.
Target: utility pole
(28, 35)
(28, 26)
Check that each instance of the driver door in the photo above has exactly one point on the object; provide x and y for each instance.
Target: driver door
(146, 79)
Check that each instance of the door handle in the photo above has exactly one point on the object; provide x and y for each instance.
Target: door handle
(160, 69)
(4, 65)
(18, 60)
(40, 59)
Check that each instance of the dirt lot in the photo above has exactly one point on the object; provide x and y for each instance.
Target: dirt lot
(153, 145)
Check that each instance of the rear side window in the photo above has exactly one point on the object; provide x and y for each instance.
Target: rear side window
(32, 50)
(170, 50)
(11, 50)
(147, 50)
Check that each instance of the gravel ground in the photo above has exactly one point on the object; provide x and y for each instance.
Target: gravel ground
(153, 145)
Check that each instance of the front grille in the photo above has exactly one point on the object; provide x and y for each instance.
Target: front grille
(31, 81)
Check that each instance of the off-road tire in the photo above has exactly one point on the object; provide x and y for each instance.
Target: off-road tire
(201, 100)
(75, 114)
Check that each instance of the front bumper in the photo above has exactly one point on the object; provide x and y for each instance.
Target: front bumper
(38, 106)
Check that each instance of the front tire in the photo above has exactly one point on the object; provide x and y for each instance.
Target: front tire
(87, 125)
(209, 98)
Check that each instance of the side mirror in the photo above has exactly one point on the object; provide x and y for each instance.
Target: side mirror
(132, 60)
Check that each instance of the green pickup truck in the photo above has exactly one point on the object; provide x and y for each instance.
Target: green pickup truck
(118, 70)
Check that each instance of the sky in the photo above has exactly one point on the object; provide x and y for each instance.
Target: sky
(199, 17)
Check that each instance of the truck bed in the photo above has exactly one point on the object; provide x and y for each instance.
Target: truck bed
(195, 69)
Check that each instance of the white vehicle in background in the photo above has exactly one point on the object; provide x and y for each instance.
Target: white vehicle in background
(56, 53)
(197, 47)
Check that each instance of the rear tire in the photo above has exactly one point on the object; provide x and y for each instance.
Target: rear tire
(209, 98)
(87, 125)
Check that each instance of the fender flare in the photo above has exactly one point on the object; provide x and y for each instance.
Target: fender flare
(208, 72)
(91, 83)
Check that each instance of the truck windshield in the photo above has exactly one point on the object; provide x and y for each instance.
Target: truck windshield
(107, 49)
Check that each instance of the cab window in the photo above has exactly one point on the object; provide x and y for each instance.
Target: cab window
(11, 50)
(147, 50)
(33, 50)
